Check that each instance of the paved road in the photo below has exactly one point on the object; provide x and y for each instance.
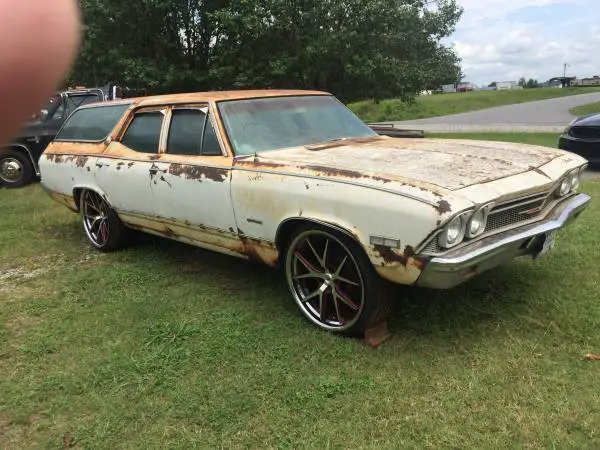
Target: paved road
(542, 116)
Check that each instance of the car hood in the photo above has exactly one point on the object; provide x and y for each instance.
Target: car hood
(438, 164)
(589, 120)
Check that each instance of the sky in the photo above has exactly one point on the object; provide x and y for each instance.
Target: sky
(504, 40)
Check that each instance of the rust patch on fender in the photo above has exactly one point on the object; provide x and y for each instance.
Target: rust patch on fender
(55, 158)
(259, 164)
(259, 251)
(382, 179)
(81, 161)
(443, 206)
(408, 257)
(169, 231)
(334, 172)
(191, 172)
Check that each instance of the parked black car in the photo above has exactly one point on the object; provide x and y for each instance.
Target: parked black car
(582, 137)
(19, 157)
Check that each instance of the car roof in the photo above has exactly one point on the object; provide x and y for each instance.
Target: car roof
(210, 96)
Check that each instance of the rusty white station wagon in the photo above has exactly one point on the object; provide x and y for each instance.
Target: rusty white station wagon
(294, 179)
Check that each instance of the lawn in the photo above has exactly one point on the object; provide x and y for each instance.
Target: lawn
(444, 104)
(164, 345)
(583, 110)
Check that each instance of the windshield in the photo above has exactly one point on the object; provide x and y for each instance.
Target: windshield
(262, 124)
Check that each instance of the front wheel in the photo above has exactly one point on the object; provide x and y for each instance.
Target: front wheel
(333, 282)
(16, 169)
(102, 226)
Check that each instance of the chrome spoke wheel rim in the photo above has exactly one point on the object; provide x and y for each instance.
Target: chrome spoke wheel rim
(95, 218)
(11, 170)
(325, 280)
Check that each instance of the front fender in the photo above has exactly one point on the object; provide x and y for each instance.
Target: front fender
(386, 225)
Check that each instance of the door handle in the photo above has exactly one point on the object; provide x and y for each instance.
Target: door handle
(101, 164)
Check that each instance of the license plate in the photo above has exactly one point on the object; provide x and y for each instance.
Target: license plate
(548, 242)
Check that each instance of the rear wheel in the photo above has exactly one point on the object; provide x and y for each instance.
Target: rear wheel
(102, 226)
(333, 282)
(16, 169)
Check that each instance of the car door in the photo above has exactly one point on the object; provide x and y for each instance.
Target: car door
(125, 170)
(192, 181)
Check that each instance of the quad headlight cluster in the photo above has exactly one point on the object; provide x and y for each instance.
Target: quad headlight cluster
(570, 183)
(471, 224)
(466, 225)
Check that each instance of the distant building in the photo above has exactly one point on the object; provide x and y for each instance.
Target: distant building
(562, 81)
(594, 81)
(449, 88)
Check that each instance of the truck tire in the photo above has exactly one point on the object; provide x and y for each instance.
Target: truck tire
(16, 169)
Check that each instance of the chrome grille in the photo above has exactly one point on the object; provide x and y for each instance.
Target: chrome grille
(432, 247)
(585, 132)
(516, 211)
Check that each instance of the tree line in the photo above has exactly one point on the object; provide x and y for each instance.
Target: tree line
(356, 49)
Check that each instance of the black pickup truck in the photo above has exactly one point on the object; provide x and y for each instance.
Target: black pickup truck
(19, 157)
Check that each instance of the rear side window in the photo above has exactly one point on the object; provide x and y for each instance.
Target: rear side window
(143, 135)
(210, 144)
(185, 134)
(191, 133)
(91, 124)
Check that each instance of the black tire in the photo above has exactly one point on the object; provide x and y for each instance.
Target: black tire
(16, 169)
(339, 291)
(101, 224)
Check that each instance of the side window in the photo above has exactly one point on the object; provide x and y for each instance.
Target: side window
(210, 144)
(143, 134)
(185, 132)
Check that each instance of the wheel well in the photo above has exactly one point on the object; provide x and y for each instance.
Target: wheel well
(287, 228)
(21, 148)
(77, 196)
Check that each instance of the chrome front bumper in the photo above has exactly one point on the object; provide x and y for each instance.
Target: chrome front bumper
(456, 267)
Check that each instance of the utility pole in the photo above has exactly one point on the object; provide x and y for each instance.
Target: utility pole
(565, 70)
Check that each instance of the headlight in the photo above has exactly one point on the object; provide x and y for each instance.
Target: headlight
(565, 187)
(573, 180)
(566, 130)
(453, 233)
(478, 222)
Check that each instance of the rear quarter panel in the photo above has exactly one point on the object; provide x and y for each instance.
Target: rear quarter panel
(65, 166)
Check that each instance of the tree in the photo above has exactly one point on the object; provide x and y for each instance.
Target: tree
(531, 83)
(522, 81)
(493, 84)
(353, 48)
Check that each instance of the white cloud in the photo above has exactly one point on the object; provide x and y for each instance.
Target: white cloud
(507, 39)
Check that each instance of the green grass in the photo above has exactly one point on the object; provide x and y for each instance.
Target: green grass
(164, 345)
(444, 104)
(546, 139)
(583, 110)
